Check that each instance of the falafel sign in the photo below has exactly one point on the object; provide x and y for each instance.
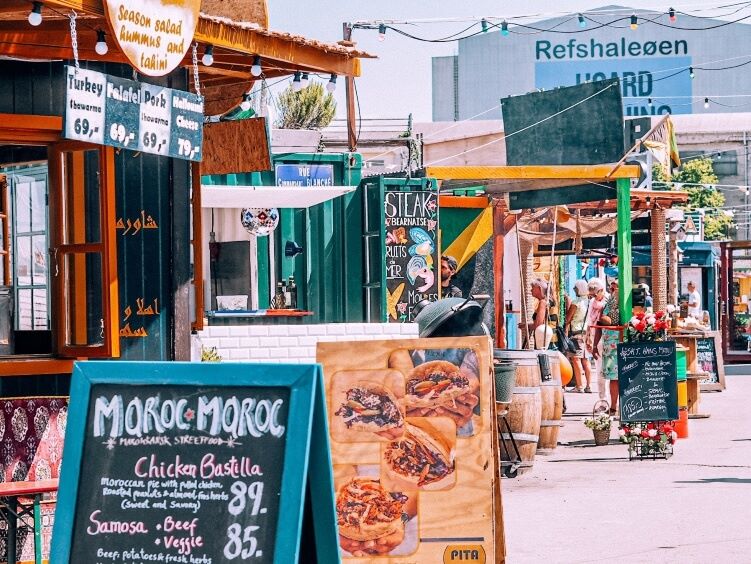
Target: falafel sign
(412, 444)
(189, 463)
(153, 34)
(109, 110)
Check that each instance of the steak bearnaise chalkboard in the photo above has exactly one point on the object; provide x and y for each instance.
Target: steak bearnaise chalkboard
(183, 473)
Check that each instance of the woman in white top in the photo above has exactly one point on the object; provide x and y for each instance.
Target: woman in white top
(576, 326)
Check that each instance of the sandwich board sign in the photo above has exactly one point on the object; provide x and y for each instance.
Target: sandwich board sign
(193, 462)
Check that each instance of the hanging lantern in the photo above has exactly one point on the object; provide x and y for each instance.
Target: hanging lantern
(259, 221)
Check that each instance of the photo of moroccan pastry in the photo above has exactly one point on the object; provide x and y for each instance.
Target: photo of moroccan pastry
(370, 407)
(421, 458)
(367, 512)
(435, 383)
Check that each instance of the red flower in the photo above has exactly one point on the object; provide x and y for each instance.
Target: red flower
(660, 314)
(651, 426)
(641, 326)
(640, 316)
(644, 434)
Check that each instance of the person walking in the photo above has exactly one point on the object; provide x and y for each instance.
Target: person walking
(541, 315)
(609, 334)
(575, 326)
(598, 299)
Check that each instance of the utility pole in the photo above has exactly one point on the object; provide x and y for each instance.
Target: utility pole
(349, 82)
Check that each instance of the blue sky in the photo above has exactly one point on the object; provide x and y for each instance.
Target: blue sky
(399, 81)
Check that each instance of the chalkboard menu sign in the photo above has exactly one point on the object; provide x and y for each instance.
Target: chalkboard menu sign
(202, 464)
(706, 358)
(413, 270)
(647, 381)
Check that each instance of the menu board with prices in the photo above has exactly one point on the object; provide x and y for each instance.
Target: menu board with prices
(108, 110)
(413, 270)
(706, 358)
(647, 381)
(201, 465)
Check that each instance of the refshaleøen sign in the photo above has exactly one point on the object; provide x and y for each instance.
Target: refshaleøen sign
(108, 110)
(193, 463)
(153, 34)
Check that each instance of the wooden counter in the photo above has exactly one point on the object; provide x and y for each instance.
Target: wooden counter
(705, 370)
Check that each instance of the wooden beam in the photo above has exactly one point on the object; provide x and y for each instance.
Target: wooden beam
(21, 129)
(580, 173)
(447, 201)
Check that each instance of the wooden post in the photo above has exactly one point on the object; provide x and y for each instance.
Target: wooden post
(349, 82)
(623, 187)
(499, 233)
(659, 260)
(672, 271)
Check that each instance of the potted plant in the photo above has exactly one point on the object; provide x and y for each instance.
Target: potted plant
(600, 424)
(648, 440)
(647, 327)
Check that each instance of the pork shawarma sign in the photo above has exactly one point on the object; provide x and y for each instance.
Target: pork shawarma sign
(153, 34)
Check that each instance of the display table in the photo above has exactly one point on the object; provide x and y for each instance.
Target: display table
(704, 365)
(11, 510)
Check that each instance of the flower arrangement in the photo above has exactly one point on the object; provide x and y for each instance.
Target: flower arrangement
(647, 327)
(648, 439)
(210, 354)
(598, 422)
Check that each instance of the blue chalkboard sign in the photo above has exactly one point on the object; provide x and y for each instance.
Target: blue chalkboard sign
(192, 462)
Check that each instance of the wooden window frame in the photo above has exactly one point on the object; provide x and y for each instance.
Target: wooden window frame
(46, 131)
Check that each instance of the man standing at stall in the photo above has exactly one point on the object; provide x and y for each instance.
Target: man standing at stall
(449, 267)
(694, 300)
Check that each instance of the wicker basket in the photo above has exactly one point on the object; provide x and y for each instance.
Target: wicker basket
(602, 436)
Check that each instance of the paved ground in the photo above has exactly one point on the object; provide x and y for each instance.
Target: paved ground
(584, 503)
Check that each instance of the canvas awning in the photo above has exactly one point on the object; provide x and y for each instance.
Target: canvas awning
(218, 196)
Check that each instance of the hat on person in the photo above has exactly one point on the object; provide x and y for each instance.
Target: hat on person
(451, 261)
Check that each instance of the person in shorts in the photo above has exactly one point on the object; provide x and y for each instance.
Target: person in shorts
(576, 329)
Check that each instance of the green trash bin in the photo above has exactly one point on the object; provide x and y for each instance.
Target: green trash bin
(505, 378)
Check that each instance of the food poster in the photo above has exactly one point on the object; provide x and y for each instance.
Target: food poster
(412, 438)
(413, 270)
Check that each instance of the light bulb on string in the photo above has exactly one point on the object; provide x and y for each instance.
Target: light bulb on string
(706, 103)
(634, 22)
(35, 16)
(245, 104)
(304, 80)
(297, 82)
(256, 69)
(484, 25)
(649, 102)
(671, 15)
(381, 32)
(504, 28)
(691, 72)
(101, 46)
(331, 86)
(582, 21)
(208, 56)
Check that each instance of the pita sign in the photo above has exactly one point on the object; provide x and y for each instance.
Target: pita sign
(153, 34)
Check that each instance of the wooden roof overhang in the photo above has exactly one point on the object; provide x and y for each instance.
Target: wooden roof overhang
(235, 44)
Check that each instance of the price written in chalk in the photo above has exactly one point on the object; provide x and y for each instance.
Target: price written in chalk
(241, 541)
(186, 149)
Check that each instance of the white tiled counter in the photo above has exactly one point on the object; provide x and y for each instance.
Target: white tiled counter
(293, 343)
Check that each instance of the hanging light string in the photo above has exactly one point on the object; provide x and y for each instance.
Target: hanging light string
(196, 81)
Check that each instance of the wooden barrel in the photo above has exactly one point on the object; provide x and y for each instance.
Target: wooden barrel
(525, 408)
(551, 394)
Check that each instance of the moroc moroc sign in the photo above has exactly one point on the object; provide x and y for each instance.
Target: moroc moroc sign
(153, 34)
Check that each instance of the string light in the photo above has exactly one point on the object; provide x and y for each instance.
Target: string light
(101, 46)
(331, 86)
(504, 27)
(634, 22)
(304, 80)
(297, 82)
(256, 69)
(381, 32)
(35, 16)
(582, 21)
(706, 103)
(649, 102)
(484, 25)
(208, 56)
(671, 14)
(245, 104)
(691, 72)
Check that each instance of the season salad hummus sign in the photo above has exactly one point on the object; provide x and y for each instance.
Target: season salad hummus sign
(153, 34)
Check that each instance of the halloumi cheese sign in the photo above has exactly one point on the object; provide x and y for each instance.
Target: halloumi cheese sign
(153, 34)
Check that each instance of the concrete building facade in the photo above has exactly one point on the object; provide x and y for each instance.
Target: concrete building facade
(664, 66)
